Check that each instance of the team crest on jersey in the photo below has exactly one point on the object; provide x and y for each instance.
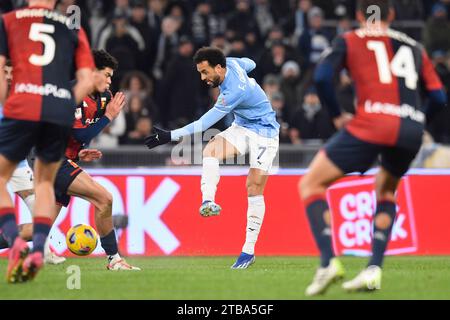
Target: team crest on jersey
(103, 102)
(78, 114)
(222, 100)
(85, 104)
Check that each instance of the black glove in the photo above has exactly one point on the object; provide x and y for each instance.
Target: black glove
(158, 138)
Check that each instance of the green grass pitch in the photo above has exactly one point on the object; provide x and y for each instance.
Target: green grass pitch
(188, 278)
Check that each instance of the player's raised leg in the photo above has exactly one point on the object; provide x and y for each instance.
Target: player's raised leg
(87, 188)
(216, 150)
(8, 225)
(370, 278)
(322, 172)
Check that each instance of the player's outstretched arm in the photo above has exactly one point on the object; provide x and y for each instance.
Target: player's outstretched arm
(161, 136)
(114, 107)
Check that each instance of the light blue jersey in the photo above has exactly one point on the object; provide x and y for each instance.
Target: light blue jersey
(243, 97)
(22, 163)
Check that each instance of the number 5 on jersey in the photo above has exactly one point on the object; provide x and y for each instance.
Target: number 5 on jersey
(39, 32)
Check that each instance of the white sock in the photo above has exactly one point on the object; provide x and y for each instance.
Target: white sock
(255, 217)
(210, 178)
(116, 256)
(29, 201)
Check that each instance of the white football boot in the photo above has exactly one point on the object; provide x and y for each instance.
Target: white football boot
(51, 257)
(119, 263)
(367, 280)
(324, 277)
(209, 208)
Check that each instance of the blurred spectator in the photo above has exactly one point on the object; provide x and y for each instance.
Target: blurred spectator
(143, 129)
(439, 124)
(134, 112)
(272, 63)
(297, 22)
(291, 86)
(241, 20)
(253, 45)
(180, 88)
(271, 84)
(275, 35)
(138, 20)
(124, 42)
(263, 17)
(437, 29)
(178, 11)
(167, 44)
(136, 83)
(278, 105)
(344, 25)
(121, 6)
(205, 25)
(314, 40)
(311, 121)
(280, 9)
(221, 42)
(408, 10)
(155, 14)
(238, 47)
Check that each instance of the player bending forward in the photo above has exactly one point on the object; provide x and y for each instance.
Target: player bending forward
(388, 68)
(96, 111)
(255, 130)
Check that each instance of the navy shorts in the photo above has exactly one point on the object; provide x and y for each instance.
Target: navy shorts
(17, 137)
(351, 154)
(67, 173)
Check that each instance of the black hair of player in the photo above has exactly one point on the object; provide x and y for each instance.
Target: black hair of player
(8, 63)
(384, 5)
(213, 56)
(104, 60)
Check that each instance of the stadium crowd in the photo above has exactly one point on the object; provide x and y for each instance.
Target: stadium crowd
(154, 42)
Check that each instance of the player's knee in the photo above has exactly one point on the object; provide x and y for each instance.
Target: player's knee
(254, 189)
(105, 201)
(305, 187)
(383, 221)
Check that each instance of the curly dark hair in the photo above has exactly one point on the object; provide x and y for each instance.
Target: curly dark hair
(213, 56)
(104, 60)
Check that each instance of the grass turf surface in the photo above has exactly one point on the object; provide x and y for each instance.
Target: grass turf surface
(187, 278)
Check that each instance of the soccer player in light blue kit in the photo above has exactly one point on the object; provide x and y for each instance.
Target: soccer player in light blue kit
(254, 130)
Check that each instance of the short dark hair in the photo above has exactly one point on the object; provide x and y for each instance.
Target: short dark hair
(384, 5)
(8, 63)
(213, 56)
(104, 60)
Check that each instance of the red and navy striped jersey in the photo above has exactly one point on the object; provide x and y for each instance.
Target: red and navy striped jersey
(88, 113)
(44, 52)
(390, 72)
